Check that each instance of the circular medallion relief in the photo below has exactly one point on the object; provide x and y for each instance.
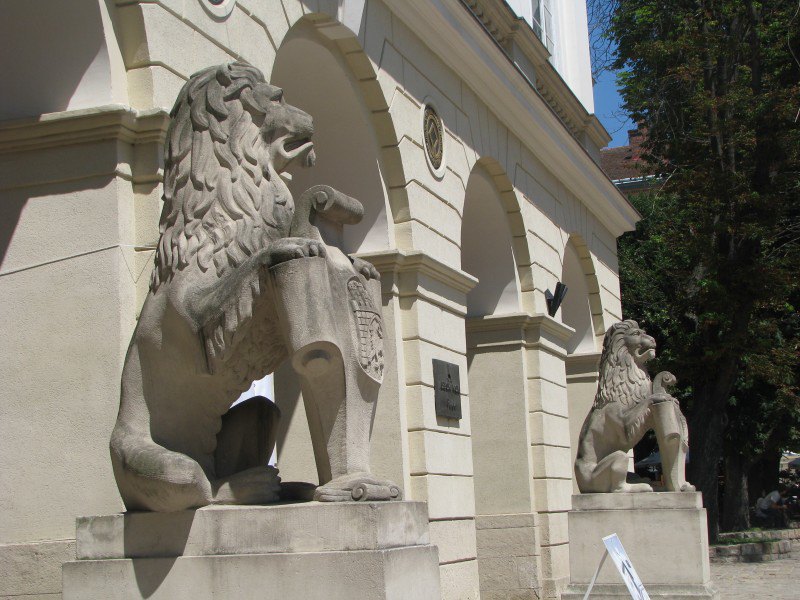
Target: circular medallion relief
(434, 137)
(218, 8)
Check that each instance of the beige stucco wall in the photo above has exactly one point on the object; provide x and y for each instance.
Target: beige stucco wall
(82, 216)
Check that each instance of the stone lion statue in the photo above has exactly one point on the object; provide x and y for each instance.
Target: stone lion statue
(242, 282)
(626, 406)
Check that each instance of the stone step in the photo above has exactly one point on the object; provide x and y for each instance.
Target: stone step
(751, 551)
(394, 574)
(768, 534)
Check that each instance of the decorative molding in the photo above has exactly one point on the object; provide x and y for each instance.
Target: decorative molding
(219, 9)
(532, 331)
(109, 122)
(399, 262)
(582, 365)
(508, 29)
(433, 136)
(462, 43)
(545, 327)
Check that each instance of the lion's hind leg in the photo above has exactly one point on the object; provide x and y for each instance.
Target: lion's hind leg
(610, 474)
(151, 477)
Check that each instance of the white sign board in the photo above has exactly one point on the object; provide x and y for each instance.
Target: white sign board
(625, 568)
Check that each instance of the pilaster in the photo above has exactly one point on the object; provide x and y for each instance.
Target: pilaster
(509, 552)
(546, 341)
(431, 298)
(582, 374)
(74, 255)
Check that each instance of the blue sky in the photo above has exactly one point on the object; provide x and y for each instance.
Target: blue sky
(607, 108)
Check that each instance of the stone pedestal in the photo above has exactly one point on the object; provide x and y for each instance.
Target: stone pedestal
(315, 550)
(664, 534)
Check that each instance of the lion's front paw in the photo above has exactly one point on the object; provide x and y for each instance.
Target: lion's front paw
(634, 487)
(365, 268)
(358, 487)
(659, 397)
(286, 249)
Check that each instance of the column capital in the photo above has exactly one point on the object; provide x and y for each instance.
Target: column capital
(583, 364)
(417, 274)
(112, 121)
(532, 331)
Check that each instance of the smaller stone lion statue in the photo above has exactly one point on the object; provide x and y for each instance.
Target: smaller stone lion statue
(626, 406)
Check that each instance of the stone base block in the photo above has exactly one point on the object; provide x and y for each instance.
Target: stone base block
(509, 561)
(314, 550)
(664, 534)
(33, 570)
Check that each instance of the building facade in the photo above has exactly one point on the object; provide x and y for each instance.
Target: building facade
(467, 249)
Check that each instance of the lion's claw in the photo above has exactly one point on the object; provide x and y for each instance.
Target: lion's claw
(364, 268)
(358, 487)
(286, 249)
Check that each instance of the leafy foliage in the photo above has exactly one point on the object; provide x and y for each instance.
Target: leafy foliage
(712, 268)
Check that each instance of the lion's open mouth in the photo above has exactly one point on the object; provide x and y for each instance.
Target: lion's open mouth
(645, 354)
(295, 147)
(296, 144)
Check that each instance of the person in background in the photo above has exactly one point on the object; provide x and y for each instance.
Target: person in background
(772, 508)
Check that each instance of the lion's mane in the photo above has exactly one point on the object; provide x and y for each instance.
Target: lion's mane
(216, 169)
(621, 379)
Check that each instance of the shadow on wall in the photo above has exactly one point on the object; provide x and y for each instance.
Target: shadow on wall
(30, 237)
(58, 58)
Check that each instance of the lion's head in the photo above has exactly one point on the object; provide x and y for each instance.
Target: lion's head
(623, 377)
(230, 137)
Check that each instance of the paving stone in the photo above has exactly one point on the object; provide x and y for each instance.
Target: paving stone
(777, 580)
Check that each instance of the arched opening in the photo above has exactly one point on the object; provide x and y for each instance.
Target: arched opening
(496, 375)
(315, 78)
(496, 369)
(486, 250)
(582, 359)
(575, 309)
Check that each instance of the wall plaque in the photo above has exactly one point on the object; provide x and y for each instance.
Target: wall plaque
(433, 133)
(447, 389)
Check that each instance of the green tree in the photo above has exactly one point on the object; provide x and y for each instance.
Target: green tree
(712, 269)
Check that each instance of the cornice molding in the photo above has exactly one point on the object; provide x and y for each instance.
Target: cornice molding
(399, 262)
(543, 325)
(583, 363)
(502, 23)
(532, 331)
(109, 122)
(464, 45)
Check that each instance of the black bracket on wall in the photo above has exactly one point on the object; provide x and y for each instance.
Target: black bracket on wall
(554, 300)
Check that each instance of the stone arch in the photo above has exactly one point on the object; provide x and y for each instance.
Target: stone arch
(578, 267)
(352, 120)
(581, 310)
(492, 210)
(494, 247)
(495, 348)
(323, 69)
